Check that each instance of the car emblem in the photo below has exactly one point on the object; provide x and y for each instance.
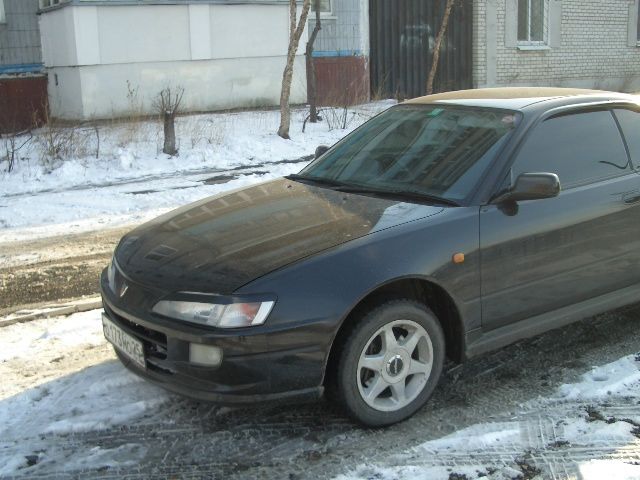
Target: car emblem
(395, 365)
(123, 289)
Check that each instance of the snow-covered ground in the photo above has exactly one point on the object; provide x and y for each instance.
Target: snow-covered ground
(49, 387)
(60, 380)
(578, 424)
(118, 174)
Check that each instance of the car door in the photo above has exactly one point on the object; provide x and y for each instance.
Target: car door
(542, 255)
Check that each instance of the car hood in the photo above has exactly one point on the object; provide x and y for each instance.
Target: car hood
(221, 243)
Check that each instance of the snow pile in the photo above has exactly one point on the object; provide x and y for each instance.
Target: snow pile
(618, 378)
(575, 430)
(32, 339)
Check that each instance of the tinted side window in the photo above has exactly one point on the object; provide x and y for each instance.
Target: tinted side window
(580, 148)
(630, 123)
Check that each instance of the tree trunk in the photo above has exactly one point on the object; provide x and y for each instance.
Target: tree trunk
(295, 32)
(168, 104)
(169, 134)
(311, 67)
(436, 48)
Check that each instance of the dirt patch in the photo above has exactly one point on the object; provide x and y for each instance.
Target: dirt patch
(50, 269)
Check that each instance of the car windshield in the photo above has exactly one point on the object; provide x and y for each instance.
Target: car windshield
(439, 151)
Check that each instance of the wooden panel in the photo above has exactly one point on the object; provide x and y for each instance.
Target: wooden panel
(342, 80)
(23, 103)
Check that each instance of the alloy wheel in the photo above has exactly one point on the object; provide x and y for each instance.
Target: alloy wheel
(395, 365)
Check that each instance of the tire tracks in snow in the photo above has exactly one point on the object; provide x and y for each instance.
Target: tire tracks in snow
(541, 441)
(185, 439)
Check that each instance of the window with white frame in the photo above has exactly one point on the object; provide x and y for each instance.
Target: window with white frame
(325, 6)
(3, 17)
(533, 22)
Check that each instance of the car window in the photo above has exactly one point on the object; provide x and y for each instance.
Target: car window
(630, 124)
(580, 148)
(431, 149)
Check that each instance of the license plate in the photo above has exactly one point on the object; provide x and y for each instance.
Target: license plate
(131, 347)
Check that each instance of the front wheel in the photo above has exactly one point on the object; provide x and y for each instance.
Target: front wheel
(390, 363)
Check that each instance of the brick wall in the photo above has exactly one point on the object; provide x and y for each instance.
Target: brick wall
(592, 49)
(479, 49)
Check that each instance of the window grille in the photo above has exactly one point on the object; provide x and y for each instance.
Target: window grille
(533, 22)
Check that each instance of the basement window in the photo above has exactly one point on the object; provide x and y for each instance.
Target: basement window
(533, 23)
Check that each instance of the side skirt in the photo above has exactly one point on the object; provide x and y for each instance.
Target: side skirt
(479, 342)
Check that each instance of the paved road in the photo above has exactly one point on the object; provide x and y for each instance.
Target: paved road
(194, 440)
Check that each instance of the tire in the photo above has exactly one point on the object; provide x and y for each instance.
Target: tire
(390, 363)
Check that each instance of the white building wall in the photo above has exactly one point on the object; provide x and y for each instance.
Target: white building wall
(224, 56)
(589, 46)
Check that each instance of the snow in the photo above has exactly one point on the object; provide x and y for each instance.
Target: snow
(494, 450)
(65, 402)
(600, 469)
(615, 378)
(131, 180)
(30, 339)
(97, 393)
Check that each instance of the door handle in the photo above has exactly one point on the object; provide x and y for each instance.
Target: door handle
(631, 198)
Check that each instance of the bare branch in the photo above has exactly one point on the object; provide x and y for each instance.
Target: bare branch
(438, 43)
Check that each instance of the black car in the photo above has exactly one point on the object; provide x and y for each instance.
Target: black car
(436, 229)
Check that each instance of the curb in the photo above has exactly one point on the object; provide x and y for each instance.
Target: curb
(52, 310)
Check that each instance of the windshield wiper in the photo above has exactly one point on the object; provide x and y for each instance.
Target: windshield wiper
(314, 180)
(398, 193)
(389, 193)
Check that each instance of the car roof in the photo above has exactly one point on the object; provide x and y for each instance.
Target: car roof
(518, 98)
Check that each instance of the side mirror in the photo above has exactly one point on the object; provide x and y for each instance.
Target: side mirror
(320, 151)
(531, 186)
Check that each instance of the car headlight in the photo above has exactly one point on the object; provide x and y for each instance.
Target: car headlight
(232, 315)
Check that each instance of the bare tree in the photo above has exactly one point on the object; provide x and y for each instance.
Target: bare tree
(168, 104)
(311, 67)
(438, 43)
(12, 145)
(295, 32)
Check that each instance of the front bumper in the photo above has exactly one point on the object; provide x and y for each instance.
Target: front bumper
(258, 365)
(191, 390)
